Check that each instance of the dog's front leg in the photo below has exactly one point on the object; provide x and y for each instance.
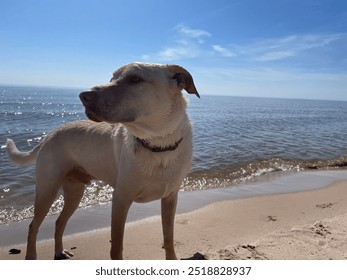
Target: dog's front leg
(120, 208)
(168, 211)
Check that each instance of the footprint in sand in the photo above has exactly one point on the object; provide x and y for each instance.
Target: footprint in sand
(325, 205)
(272, 218)
(182, 221)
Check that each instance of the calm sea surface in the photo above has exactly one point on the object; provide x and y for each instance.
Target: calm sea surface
(236, 139)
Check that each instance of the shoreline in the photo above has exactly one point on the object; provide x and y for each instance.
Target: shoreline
(217, 222)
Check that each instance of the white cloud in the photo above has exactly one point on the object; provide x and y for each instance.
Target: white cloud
(289, 46)
(174, 53)
(275, 56)
(192, 33)
(189, 43)
(222, 51)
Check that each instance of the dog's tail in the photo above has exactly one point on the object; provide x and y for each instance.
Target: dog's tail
(18, 157)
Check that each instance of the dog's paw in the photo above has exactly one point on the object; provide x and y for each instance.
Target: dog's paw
(64, 255)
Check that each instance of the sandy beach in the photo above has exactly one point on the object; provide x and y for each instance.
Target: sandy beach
(302, 225)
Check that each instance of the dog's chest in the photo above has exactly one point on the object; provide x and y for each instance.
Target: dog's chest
(158, 182)
(154, 191)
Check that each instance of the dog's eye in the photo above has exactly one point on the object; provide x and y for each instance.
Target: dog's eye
(135, 79)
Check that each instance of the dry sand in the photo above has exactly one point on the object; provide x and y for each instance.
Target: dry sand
(302, 225)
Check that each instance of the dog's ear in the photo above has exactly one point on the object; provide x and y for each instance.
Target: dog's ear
(183, 78)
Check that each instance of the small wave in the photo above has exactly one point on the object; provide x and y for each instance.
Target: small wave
(232, 175)
(95, 193)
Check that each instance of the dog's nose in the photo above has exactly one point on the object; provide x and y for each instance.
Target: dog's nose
(87, 97)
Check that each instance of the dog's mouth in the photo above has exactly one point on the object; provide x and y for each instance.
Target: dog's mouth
(92, 116)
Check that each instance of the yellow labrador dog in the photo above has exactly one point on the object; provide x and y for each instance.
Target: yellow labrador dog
(139, 141)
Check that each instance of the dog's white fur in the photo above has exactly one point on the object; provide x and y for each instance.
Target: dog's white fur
(142, 101)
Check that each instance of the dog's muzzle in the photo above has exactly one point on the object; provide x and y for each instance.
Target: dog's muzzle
(88, 99)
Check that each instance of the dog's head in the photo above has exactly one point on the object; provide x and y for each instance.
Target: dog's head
(138, 91)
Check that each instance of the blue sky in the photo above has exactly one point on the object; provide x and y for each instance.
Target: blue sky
(274, 48)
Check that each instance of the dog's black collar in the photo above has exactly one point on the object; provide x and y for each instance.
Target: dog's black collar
(157, 149)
